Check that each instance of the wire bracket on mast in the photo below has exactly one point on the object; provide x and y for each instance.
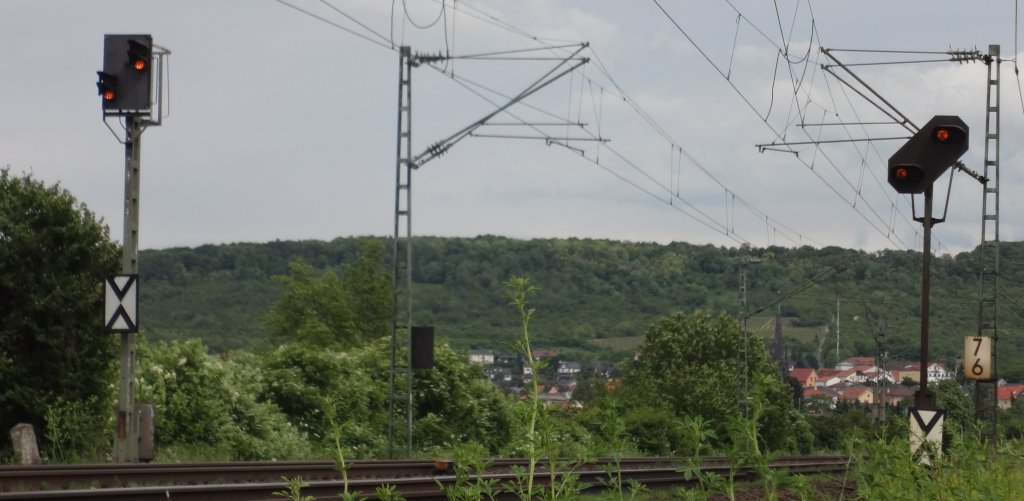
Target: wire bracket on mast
(974, 174)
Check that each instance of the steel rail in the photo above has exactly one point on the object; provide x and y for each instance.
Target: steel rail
(22, 478)
(414, 479)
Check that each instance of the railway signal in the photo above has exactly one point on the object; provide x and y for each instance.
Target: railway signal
(126, 82)
(927, 155)
(913, 169)
(126, 88)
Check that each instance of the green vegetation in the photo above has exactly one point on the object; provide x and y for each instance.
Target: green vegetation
(523, 486)
(599, 296)
(212, 408)
(968, 470)
(293, 490)
(55, 358)
(331, 310)
(282, 351)
(471, 462)
(688, 367)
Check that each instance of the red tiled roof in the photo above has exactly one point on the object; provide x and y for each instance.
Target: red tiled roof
(801, 374)
(1009, 392)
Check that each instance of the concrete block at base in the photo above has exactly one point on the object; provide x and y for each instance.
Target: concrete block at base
(147, 431)
(23, 437)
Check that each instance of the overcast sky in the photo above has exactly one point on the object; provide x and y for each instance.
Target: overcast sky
(283, 126)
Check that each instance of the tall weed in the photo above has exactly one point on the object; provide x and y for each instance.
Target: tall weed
(968, 469)
(699, 436)
(293, 490)
(470, 485)
(519, 289)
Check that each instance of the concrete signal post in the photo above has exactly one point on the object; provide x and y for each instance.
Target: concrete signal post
(127, 89)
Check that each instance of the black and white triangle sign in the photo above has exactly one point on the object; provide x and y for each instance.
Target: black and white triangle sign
(925, 426)
(926, 420)
(121, 310)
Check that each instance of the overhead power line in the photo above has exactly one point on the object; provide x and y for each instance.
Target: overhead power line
(803, 73)
(385, 43)
(672, 195)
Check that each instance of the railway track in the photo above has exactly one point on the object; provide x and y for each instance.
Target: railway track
(258, 480)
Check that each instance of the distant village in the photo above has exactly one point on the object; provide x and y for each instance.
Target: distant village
(512, 374)
(854, 381)
(858, 380)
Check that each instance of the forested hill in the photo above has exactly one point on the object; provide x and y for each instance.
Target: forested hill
(596, 294)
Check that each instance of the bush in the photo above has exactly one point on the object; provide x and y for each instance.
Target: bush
(656, 432)
(75, 432)
(209, 407)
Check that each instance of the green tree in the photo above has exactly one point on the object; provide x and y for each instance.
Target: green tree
(314, 310)
(688, 366)
(54, 256)
(958, 407)
(369, 284)
(328, 309)
(303, 380)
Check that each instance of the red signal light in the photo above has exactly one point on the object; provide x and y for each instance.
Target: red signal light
(906, 178)
(139, 53)
(106, 86)
(949, 135)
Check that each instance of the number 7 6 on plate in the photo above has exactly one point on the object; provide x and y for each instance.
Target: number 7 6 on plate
(978, 358)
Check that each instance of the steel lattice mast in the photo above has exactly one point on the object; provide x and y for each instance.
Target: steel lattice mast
(986, 393)
(400, 379)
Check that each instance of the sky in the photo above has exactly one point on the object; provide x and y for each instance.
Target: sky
(282, 117)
